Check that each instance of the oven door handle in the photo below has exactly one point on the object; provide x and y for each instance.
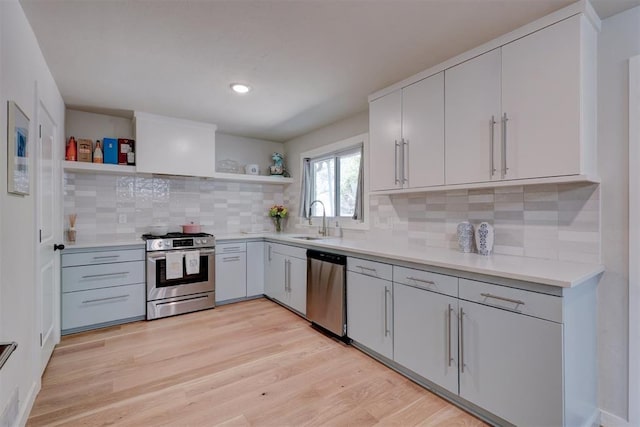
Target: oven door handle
(161, 255)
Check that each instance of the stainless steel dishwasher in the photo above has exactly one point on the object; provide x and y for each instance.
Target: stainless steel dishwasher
(326, 291)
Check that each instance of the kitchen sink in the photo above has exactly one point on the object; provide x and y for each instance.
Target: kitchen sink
(308, 237)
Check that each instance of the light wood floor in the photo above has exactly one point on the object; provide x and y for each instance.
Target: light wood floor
(250, 363)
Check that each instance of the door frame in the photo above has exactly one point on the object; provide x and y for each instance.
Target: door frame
(634, 241)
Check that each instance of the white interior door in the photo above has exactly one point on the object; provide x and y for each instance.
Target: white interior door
(49, 232)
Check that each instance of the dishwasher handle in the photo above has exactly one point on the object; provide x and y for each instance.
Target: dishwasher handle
(327, 257)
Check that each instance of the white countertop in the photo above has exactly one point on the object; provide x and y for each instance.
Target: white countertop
(104, 243)
(563, 274)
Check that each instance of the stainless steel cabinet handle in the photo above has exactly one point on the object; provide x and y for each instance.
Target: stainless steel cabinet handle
(492, 127)
(106, 257)
(287, 276)
(269, 256)
(514, 301)
(395, 161)
(104, 299)
(232, 258)
(386, 312)
(428, 282)
(366, 268)
(461, 340)
(405, 144)
(449, 310)
(231, 248)
(505, 119)
(94, 276)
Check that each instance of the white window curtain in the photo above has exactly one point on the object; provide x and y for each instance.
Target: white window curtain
(358, 212)
(305, 190)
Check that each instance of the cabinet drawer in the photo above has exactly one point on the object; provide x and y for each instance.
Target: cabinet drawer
(228, 248)
(370, 268)
(289, 251)
(517, 300)
(440, 283)
(102, 276)
(102, 305)
(101, 257)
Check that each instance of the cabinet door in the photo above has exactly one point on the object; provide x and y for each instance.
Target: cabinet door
(425, 334)
(423, 131)
(274, 274)
(231, 276)
(297, 284)
(370, 312)
(385, 118)
(511, 365)
(255, 268)
(541, 79)
(472, 141)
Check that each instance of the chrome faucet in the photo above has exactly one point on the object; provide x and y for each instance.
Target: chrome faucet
(323, 230)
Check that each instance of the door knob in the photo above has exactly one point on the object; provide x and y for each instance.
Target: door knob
(57, 247)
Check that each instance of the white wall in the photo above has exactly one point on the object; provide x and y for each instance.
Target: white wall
(619, 40)
(80, 124)
(247, 151)
(22, 69)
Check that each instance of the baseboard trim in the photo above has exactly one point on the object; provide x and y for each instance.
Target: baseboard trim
(25, 410)
(609, 420)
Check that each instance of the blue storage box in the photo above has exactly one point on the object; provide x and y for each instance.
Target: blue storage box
(110, 148)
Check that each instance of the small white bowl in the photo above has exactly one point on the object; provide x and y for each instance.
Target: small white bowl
(159, 229)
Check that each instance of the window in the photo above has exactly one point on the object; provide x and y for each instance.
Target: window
(336, 175)
(334, 181)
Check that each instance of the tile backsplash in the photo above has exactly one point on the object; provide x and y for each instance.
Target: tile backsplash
(102, 200)
(551, 221)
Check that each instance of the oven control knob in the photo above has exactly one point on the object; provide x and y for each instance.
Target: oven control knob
(198, 241)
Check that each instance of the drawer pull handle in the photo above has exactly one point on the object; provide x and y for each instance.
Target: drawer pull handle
(233, 248)
(366, 268)
(232, 258)
(106, 257)
(428, 282)
(104, 299)
(514, 301)
(94, 276)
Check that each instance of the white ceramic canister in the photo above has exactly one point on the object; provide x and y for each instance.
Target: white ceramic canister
(484, 238)
(465, 237)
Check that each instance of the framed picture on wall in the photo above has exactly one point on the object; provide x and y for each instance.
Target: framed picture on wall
(18, 177)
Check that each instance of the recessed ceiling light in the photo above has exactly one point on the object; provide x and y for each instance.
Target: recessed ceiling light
(240, 88)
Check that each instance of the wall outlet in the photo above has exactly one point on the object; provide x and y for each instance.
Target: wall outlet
(122, 218)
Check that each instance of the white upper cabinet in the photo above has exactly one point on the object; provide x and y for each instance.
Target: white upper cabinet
(522, 107)
(385, 134)
(407, 136)
(548, 90)
(172, 146)
(472, 117)
(423, 132)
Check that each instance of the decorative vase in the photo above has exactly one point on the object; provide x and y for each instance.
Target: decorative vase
(484, 238)
(278, 222)
(465, 237)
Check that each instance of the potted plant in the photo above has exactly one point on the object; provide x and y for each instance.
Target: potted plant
(278, 213)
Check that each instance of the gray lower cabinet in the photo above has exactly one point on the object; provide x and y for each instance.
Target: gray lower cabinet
(231, 271)
(370, 305)
(102, 287)
(425, 331)
(515, 356)
(286, 275)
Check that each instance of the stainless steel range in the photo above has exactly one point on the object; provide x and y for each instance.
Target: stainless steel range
(180, 273)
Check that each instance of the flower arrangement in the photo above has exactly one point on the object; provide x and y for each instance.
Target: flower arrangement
(278, 212)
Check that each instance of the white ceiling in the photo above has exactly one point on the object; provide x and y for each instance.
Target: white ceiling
(310, 62)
